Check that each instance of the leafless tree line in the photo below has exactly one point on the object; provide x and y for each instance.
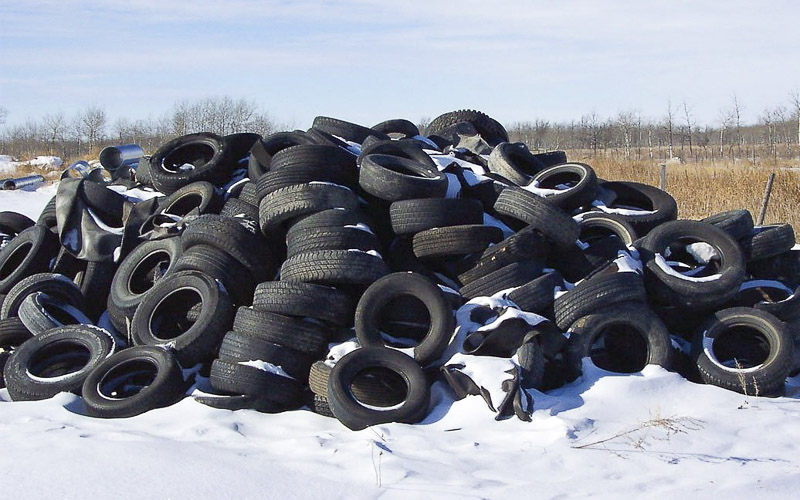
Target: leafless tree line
(629, 134)
(85, 133)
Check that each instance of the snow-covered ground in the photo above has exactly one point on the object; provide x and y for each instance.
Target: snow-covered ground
(9, 164)
(651, 435)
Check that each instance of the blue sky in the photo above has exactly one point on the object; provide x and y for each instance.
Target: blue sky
(367, 61)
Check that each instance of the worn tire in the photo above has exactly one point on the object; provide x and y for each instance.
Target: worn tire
(192, 341)
(382, 292)
(354, 414)
(152, 371)
(629, 323)
(773, 343)
(46, 364)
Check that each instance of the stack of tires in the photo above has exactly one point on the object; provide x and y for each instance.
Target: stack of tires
(326, 268)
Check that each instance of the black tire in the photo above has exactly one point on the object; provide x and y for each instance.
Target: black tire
(526, 244)
(239, 144)
(231, 402)
(491, 130)
(95, 279)
(397, 126)
(784, 267)
(538, 295)
(346, 130)
(455, 240)
(580, 178)
(249, 193)
(596, 293)
(327, 219)
(238, 346)
(354, 414)
(631, 336)
(57, 286)
(48, 216)
(28, 253)
(238, 208)
(305, 300)
(12, 334)
(13, 223)
(236, 378)
(510, 276)
(737, 223)
(319, 405)
(263, 151)
(142, 175)
(58, 360)
(657, 205)
(294, 333)
(132, 382)
(770, 296)
(393, 178)
(555, 224)
(334, 267)
(162, 318)
(551, 158)
(237, 280)
(411, 150)
(40, 313)
(382, 292)
(515, 162)
(595, 226)
(296, 201)
(303, 164)
(688, 292)
(370, 388)
(531, 365)
(764, 242)
(344, 238)
(206, 152)
(232, 235)
(201, 197)
(413, 216)
(137, 274)
(744, 350)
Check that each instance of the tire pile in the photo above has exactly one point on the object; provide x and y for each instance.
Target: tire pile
(265, 253)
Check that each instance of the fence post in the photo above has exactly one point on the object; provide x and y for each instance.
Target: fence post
(662, 184)
(765, 201)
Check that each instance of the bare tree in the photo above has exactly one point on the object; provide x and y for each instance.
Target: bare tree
(795, 97)
(626, 121)
(3, 115)
(55, 127)
(669, 125)
(92, 124)
(736, 113)
(687, 115)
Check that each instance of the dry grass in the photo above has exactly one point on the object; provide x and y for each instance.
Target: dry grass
(702, 189)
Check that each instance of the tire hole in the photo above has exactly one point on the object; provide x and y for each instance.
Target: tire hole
(379, 387)
(58, 359)
(196, 154)
(404, 321)
(619, 348)
(148, 271)
(175, 314)
(741, 347)
(15, 260)
(127, 379)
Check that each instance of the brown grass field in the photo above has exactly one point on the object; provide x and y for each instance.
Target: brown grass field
(702, 189)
